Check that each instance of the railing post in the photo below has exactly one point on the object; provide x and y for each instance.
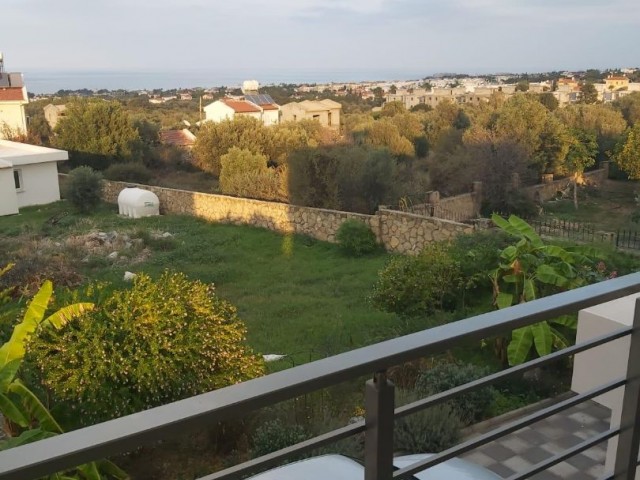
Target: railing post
(378, 440)
(629, 438)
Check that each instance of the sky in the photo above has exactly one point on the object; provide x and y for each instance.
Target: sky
(465, 36)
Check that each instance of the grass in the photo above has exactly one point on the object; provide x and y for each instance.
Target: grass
(608, 209)
(297, 296)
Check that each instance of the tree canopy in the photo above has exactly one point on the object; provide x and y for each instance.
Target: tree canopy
(97, 133)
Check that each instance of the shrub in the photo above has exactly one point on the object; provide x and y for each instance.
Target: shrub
(275, 435)
(128, 172)
(412, 286)
(84, 188)
(472, 406)
(355, 238)
(428, 431)
(154, 343)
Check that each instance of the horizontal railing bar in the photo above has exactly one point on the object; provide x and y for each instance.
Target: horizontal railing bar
(441, 397)
(550, 462)
(504, 430)
(276, 457)
(128, 433)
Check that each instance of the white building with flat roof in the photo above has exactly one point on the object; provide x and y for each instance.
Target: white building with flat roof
(28, 175)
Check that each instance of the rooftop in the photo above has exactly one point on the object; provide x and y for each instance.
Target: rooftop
(23, 154)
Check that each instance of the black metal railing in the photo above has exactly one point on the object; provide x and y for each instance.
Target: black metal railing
(628, 239)
(127, 433)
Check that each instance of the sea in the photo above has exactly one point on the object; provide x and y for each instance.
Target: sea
(44, 82)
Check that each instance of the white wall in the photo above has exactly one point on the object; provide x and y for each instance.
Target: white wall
(218, 111)
(40, 184)
(8, 198)
(12, 114)
(597, 366)
(271, 117)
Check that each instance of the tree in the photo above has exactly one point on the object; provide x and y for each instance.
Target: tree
(84, 188)
(216, 138)
(246, 174)
(385, 133)
(154, 343)
(313, 178)
(581, 155)
(389, 109)
(629, 105)
(589, 93)
(522, 86)
(97, 133)
(549, 100)
(627, 155)
(393, 89)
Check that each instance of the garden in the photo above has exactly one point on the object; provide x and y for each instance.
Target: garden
(143, 312)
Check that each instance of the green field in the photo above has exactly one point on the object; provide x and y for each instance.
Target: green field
(297, 296)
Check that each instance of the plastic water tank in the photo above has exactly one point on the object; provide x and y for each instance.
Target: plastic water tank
(136, 202)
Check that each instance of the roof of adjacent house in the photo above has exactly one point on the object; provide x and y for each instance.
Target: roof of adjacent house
(23, 154)
(179, 138)
(617, 77)
(260, 99)
(241, 106)
(58, 108)
(12, 94)
(270, 106)
(316, 105)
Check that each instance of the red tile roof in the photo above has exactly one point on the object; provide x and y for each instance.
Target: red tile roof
(269, 106)
(240, 106)
(179, 138)
(11, 94)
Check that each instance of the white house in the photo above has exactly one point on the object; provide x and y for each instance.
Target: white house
(28, 175)
(230, 108)
(258, 106)
(326, 111)
(13, 98)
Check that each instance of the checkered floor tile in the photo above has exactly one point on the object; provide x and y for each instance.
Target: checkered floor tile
(530, 445)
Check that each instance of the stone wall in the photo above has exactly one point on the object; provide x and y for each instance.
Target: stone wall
(549, 190)
(398, 231)
(463, 207)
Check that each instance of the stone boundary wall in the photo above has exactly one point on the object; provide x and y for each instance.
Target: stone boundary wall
(466, 206)
(548, 191)
(397, 231)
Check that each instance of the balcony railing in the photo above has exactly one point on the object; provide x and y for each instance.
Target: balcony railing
(128, 433)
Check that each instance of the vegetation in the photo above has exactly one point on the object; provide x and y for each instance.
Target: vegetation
(165, 340)
(84, 188)
(420, 285)
(26, 418)
(356, 239)
(627, 155)
(247, 174)
(97, 133)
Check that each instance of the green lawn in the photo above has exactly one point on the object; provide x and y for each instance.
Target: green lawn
(298, 296)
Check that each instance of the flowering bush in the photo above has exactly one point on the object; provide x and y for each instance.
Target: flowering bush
(155, 343)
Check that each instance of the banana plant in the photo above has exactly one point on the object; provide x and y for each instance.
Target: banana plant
(531, 269)
(25, 418)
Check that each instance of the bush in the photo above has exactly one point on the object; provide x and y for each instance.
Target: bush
(155, 343)
(355, 238)
(428, 431)
(275, 435)
(412, 286)
(128, 172)
(84, 188)
(471, 407)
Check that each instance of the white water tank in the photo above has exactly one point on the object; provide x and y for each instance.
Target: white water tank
(136, 202)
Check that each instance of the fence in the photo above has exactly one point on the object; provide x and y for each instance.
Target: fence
(628, 239)
(432, 210)
(128, 433)
(580, 232)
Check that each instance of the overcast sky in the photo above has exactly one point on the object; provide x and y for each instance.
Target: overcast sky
(409, 35)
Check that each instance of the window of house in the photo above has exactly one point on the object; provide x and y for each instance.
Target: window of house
(316, 117)
(17, 179)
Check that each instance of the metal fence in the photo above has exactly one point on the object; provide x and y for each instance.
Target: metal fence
(628, 239)
(182, 417)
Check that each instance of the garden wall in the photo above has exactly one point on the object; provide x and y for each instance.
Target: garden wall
(398, 231)
(548, 191)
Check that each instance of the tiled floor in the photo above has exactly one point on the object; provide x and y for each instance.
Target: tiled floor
(530, 445)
